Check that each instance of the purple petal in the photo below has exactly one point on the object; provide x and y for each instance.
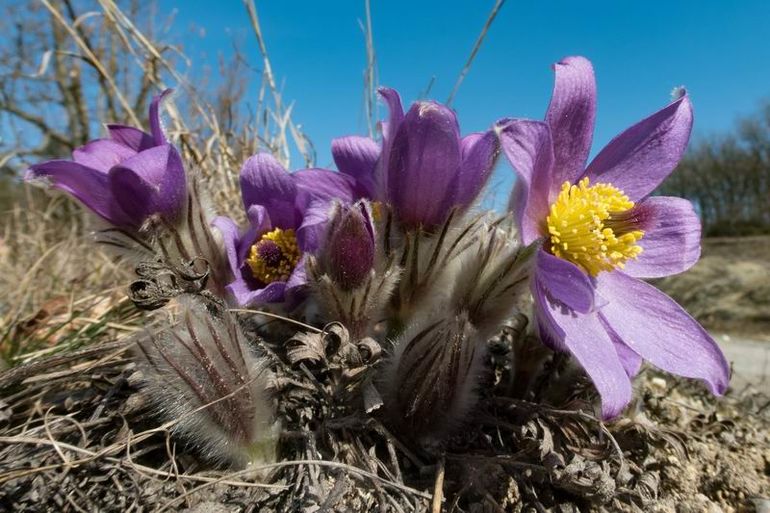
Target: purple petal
(298, 276)
(630, 360)
(230, 238)
(423, 165)
(671, 242)
(131, 137)
(265, 182)
(259, 224)
(311, 232)
(388, 129)
(571, 116)
(357, 157)
(640, 158)
(517, 203)
(156, 126)
(395, 109)
(245, 288)
(296, 286)
(150, 182)
(586, 339)
(323, 184)
(527, 146)
(87, 185)
(479, 153)
(246, 296)
(660, 331)
(102, 154)
(259, 218)
(564, 281)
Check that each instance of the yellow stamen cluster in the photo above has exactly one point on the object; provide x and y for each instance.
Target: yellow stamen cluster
(277, 262)
(582, 230)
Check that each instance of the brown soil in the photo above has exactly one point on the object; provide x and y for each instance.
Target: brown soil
(729, 288)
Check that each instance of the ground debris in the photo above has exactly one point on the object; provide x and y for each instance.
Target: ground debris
(79, 435)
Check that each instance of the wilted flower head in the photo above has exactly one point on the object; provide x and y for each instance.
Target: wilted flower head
(600, 231)
(423, 168)
(287, 213)
(204, 376)
(125, 178)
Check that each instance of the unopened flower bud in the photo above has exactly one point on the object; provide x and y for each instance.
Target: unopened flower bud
(429, 384)
(202, 373)
(349, 251)
(352, 276)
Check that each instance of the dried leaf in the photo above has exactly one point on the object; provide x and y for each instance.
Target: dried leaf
(306, 347)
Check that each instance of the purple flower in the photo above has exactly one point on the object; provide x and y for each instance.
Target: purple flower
(126, 178)
(287, 213)
(600, 231)
(423, 168)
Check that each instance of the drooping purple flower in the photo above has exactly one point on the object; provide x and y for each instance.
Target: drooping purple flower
(287, 213)
(423, 168)
(600, 231)
(125, 178)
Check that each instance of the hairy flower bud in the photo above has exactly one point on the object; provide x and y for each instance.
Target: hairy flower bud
(349, 252)
(353, 277)
(492, 277)
(203, 376)
(429, 384)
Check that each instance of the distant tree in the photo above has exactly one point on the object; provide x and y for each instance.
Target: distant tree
(727, 177)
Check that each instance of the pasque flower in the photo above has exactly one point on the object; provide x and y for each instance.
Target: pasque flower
(600, 231)
(125, 178)
(287, 213)
(423, 168)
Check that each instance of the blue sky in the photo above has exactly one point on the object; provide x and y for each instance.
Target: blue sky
(719, 50)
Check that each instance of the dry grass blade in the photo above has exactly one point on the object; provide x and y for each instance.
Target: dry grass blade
(277, 316)
(371, 79)
(438, 488)
(492, 14)
(281, 112)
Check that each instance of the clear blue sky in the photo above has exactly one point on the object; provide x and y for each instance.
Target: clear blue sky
(719, 50)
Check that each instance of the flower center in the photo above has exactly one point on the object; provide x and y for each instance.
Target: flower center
(274, 256)
(593, 227)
